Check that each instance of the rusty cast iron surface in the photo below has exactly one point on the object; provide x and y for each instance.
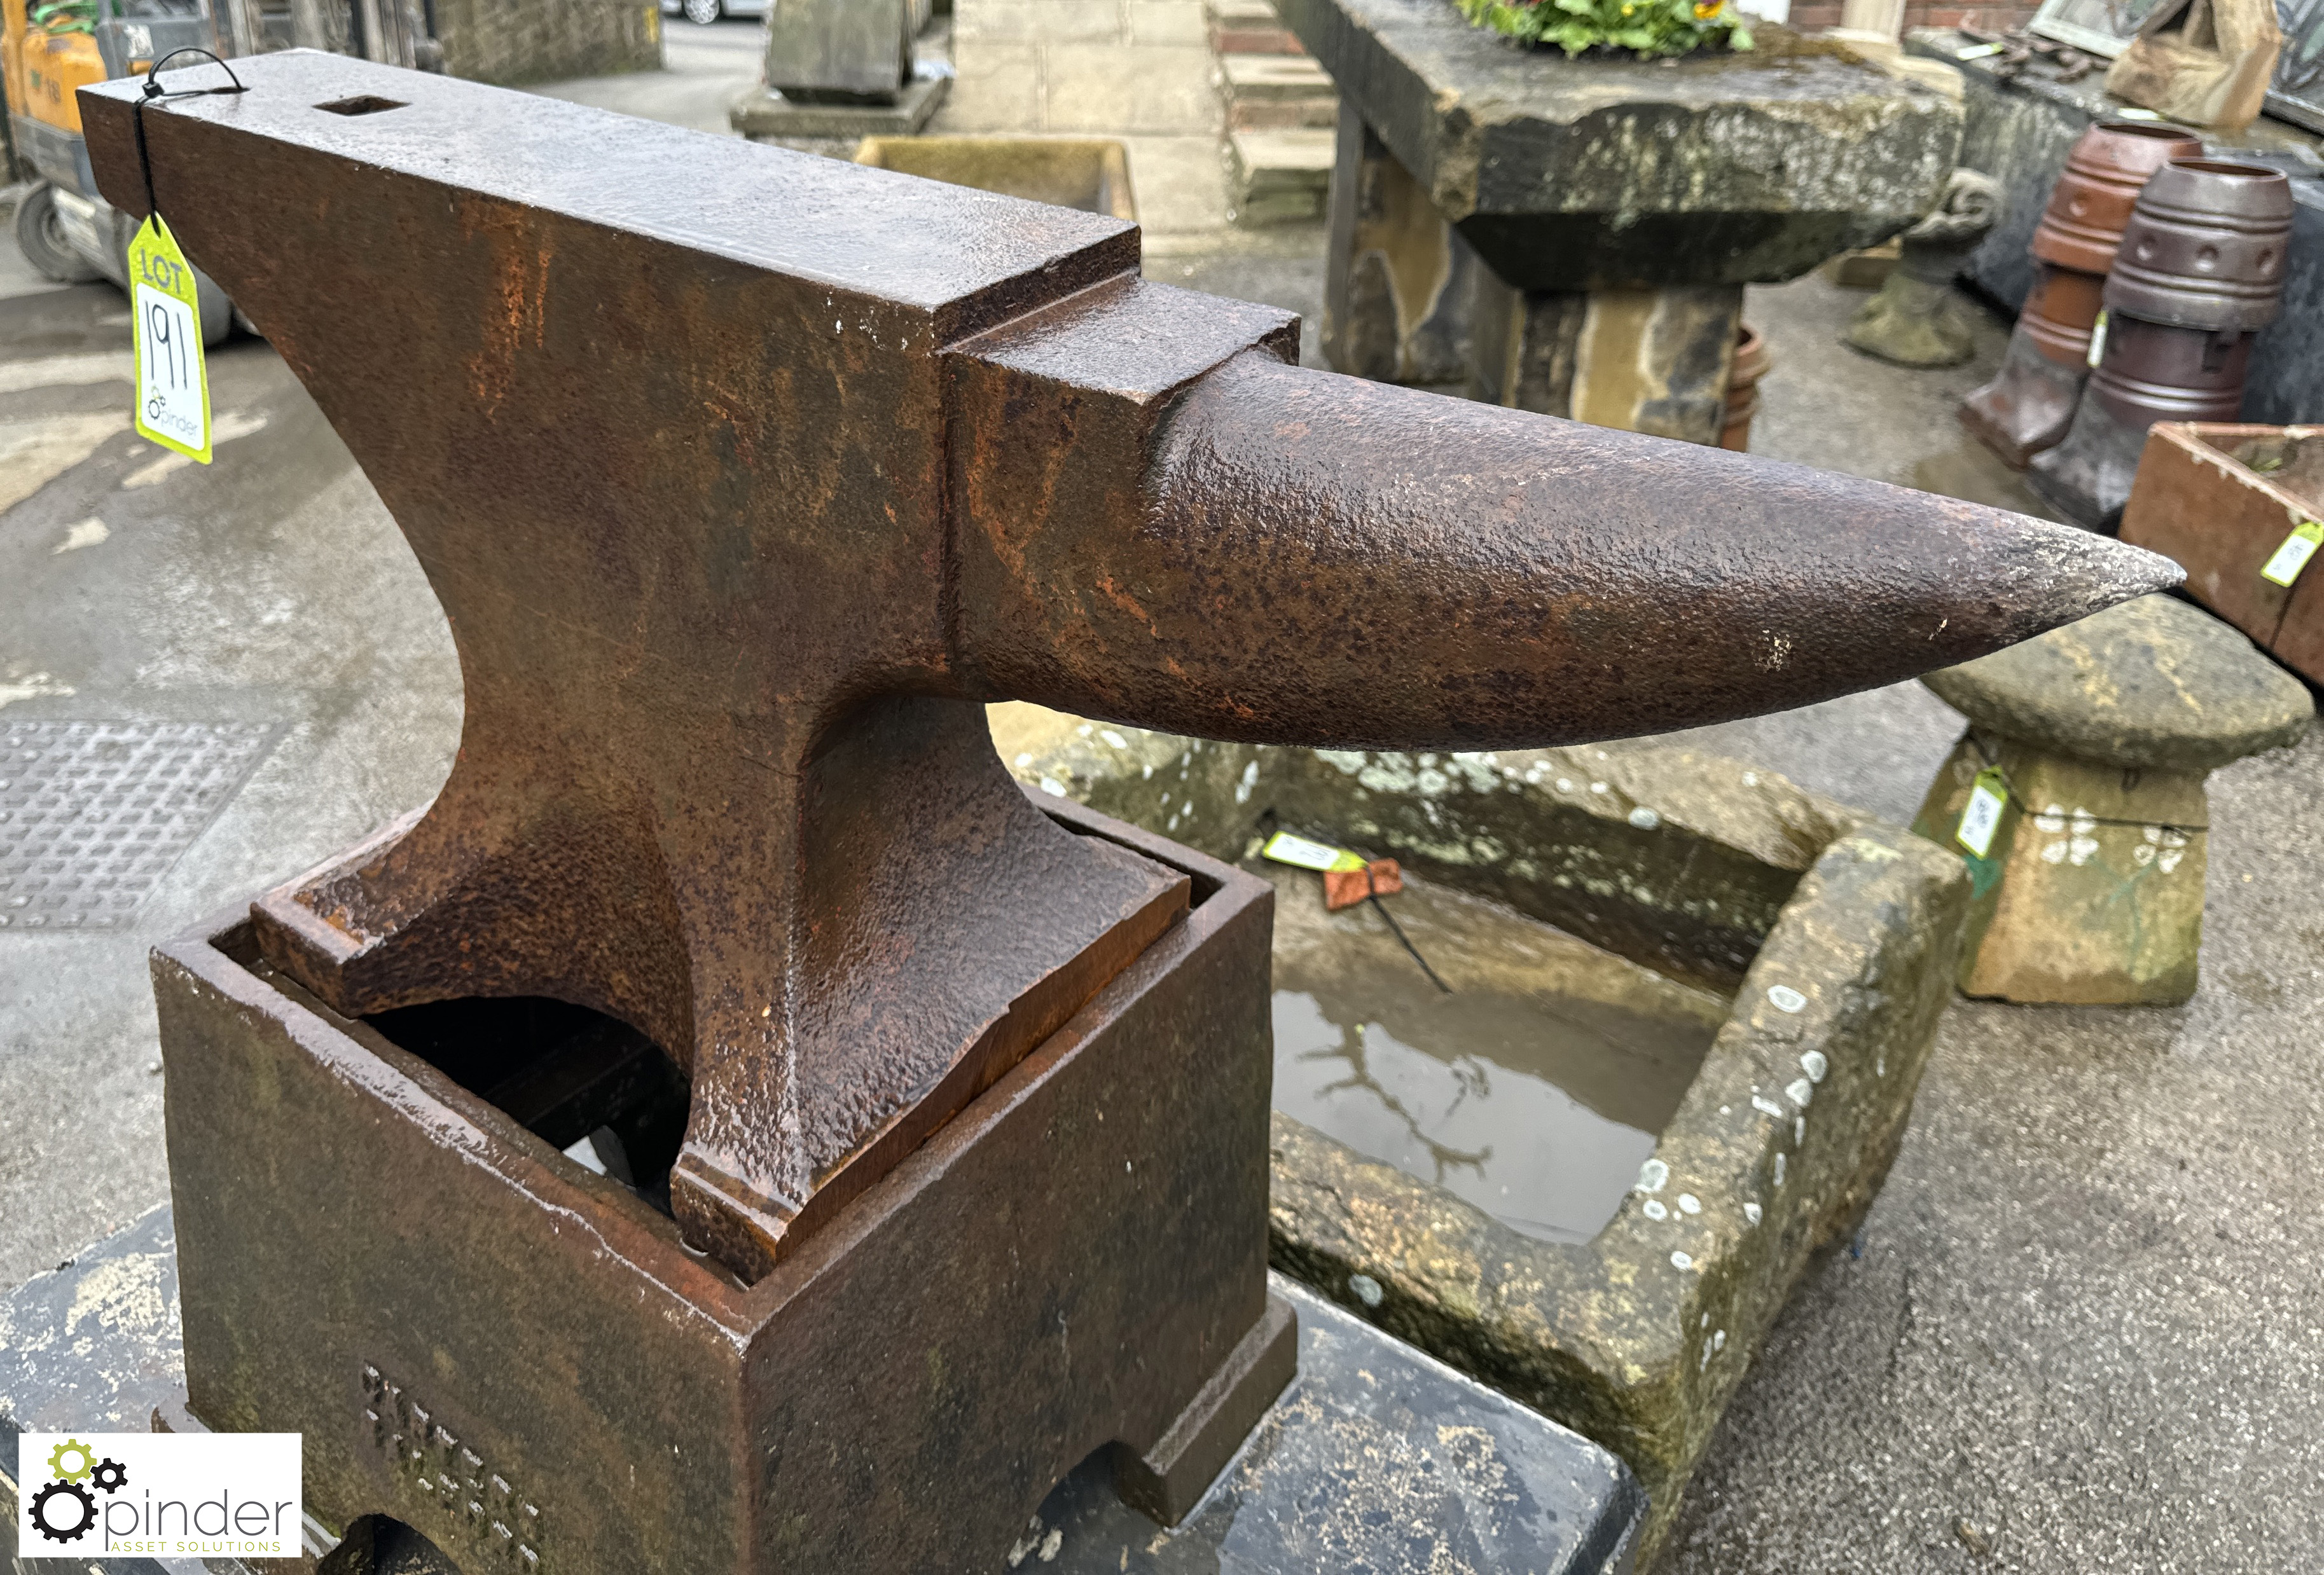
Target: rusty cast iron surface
(522, 1361)
(744, 476)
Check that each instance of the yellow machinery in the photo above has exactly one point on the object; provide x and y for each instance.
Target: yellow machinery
(48, 49)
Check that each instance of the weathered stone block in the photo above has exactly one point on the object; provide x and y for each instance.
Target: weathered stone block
(2091, 892)
(1278, 176)
(1837, 936)
(1398, 290)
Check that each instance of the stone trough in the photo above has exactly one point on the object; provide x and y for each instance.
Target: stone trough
(1823, 941)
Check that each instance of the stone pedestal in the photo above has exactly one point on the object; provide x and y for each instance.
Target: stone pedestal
(1644, 360)
(1574, 237)
(2090, 891)
(839, 68)
(1399, 289)
(1918, 320)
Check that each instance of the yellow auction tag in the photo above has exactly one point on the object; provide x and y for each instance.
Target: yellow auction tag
(1982, 817)
(173, 387)
(2293, 556)
(2098, 341)
(1286, 849)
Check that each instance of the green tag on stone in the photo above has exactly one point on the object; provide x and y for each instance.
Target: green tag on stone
(1976, 51)
(2293, 556)
(174, 388)
(1982, 815)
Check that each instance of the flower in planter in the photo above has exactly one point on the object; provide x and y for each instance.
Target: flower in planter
(1648, 27)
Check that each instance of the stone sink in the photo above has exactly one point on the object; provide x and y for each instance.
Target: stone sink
(1823, 942)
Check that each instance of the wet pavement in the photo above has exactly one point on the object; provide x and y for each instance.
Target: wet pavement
(2083, 1329)
(163, 624)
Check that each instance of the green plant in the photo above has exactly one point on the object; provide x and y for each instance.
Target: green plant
(1649, 27)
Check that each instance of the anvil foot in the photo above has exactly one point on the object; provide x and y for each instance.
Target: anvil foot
(1168, 1478)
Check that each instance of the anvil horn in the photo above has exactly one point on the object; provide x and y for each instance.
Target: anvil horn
(1323, 560)
(743, 475)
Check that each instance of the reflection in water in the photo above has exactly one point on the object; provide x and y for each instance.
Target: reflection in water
(1534, 1090)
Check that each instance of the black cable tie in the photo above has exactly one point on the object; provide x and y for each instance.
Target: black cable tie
(1373, 897)
(154, 92)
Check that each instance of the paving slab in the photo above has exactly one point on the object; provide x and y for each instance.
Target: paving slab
(1039, 20)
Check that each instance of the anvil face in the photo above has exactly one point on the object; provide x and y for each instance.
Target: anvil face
(745, 476)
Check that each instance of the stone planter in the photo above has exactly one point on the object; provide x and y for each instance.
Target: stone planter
(1088, 173)
(2199, 500)
(1834, 936)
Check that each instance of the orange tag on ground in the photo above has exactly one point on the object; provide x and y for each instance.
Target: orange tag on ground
(1347, 887)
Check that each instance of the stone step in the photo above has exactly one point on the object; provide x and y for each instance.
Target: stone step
(1248, 27)
(1277, 92)
(1278, 176)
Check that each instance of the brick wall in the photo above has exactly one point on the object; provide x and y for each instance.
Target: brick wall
(1813, 15)
(536, 40)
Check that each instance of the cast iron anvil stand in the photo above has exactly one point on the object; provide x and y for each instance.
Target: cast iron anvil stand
(744, 478)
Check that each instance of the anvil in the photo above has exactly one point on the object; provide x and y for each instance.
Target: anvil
(745, 479)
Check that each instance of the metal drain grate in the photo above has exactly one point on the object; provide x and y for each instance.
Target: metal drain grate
(93, 814)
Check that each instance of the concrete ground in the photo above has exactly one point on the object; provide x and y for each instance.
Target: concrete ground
(704, 68)
(2083, 1329)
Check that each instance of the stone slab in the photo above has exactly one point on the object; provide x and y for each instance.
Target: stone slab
(1593, 173)
(2018, 130)
(763, 115)
(2151, 684)
(1274, 76)
(1378, 1458)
